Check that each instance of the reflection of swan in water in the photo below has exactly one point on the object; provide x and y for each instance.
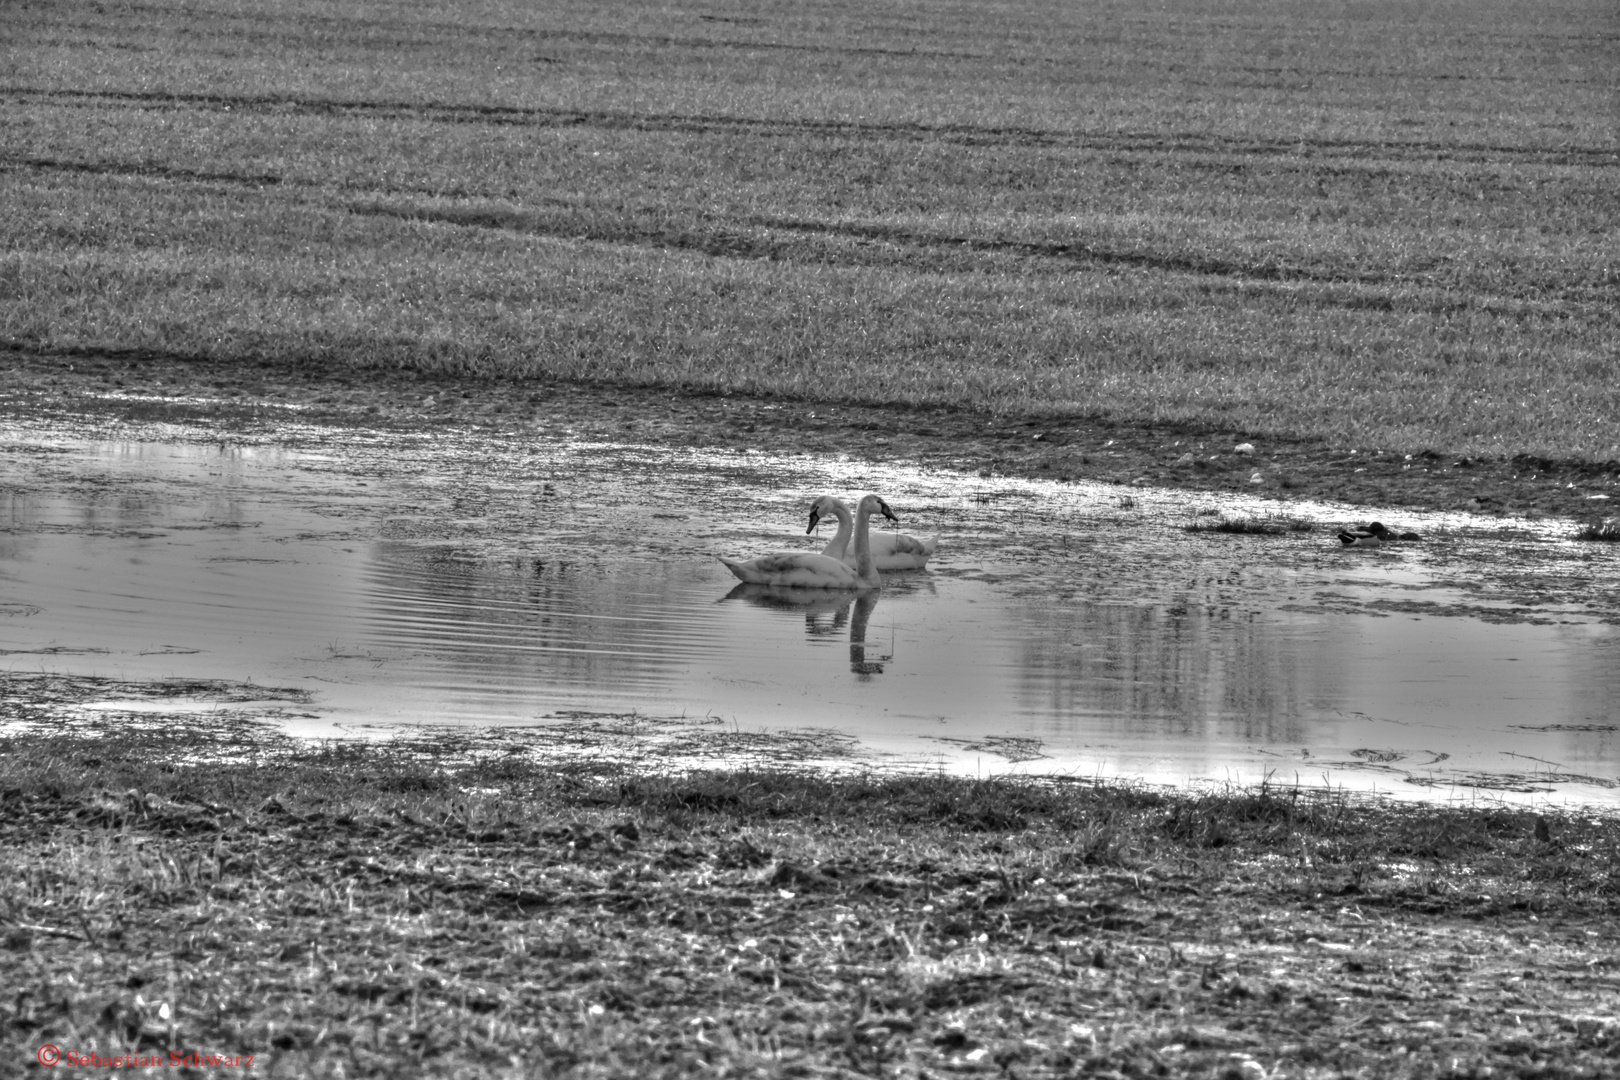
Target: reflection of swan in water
(858, 663)
(816, 604)
(789, 598)
(890, 550)
(802, 569)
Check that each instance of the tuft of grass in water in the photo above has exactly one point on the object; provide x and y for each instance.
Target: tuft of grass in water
(1603, 529)
(1264, 525)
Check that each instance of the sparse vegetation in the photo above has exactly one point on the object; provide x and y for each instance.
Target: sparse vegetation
(1392, 229)
(376, 911)
(1605, 529)
(1259, 525)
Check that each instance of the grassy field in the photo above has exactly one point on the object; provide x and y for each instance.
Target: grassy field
(1385, 225)
(413, 911)
(1381, 224)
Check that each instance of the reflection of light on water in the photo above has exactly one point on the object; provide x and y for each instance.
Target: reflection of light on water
(164, 706)
(471, 580)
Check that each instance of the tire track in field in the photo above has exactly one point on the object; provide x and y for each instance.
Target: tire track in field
(161, 172)
(961, 134)
(876, 245)
(868, 244)
(504, 37)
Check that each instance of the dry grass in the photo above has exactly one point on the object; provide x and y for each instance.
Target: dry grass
(1388, 230)
(1261, 525)
(354, 910)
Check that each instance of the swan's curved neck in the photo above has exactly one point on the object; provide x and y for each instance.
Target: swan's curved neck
(840, 540)
(864, 566)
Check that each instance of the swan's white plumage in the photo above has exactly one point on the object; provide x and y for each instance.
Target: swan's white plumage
(890, 550)
(795, 570)
(808, 570)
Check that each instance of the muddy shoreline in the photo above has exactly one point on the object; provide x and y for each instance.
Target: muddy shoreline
(249, 399)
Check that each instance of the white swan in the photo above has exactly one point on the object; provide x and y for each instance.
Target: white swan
(890, 551)
(806, 570)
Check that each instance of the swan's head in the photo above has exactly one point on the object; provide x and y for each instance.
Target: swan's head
(874, 505)
(820, 509)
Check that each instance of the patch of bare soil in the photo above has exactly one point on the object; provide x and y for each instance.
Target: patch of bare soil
(349, 911)
(250, 398)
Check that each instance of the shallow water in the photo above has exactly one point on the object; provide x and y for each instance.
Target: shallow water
(482, 580)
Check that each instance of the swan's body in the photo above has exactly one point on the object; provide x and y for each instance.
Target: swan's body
(1370, 536)
(796, 570)
(806, 570)
(890, 551)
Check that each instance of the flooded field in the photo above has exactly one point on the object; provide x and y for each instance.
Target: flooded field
(566, 595)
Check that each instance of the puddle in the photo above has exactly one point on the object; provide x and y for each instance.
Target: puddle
(374, 583)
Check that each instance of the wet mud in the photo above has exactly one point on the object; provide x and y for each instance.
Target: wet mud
(245, 401)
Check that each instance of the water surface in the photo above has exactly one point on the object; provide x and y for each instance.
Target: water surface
(479, 580)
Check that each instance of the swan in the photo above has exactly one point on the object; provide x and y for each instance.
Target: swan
(890, 551)
(807, 570)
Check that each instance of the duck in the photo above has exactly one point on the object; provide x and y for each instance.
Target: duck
(1370, 535)
(811, 570)
(890, 550)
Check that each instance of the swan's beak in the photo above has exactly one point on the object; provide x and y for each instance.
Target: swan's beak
(887, 512)
(815, 519)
